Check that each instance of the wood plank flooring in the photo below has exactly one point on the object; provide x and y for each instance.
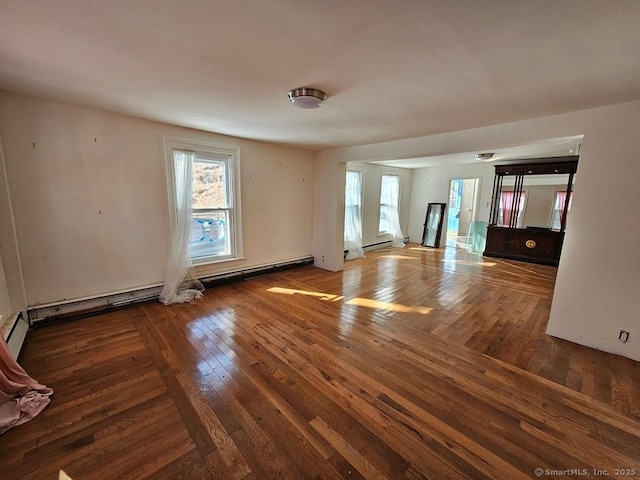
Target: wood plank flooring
(411, 364)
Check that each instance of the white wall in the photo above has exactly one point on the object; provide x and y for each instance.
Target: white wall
(598, 280)
(539, 203)
(328, 214)
(328, 208)
(371, 181)
(90, 205)
(431, 185)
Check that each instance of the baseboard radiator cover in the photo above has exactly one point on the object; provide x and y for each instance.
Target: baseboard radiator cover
(377, 246)
(14, 330)
(42, 315)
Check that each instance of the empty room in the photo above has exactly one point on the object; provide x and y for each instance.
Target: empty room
(290, 239)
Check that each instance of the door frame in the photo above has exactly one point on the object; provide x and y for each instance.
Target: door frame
(476, 197)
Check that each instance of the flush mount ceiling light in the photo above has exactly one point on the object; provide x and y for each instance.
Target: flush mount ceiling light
(484, 156)
(307, 97)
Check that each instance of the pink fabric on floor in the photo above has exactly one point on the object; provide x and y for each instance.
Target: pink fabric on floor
(21, 397)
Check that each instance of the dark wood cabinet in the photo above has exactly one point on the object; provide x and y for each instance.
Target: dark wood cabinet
(506, 237)
(529, 245)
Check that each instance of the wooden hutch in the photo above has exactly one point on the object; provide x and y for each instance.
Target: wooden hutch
(506, 238)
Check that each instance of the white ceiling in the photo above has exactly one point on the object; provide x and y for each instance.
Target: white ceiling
(392, 70)
(542, 149)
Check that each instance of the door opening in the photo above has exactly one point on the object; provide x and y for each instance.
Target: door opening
(463, 206)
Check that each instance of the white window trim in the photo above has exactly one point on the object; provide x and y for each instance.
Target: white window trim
(169, 143)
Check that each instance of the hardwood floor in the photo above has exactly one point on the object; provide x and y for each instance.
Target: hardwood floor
(411, 364)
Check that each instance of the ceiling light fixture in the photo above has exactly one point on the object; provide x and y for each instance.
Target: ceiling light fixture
(307, 97)
(484, 156)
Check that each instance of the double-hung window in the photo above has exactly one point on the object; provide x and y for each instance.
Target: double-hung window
(213, 209)
(389, 197)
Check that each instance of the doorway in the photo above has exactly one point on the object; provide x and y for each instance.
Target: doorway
(463, 206)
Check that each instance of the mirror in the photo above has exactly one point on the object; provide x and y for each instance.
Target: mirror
(541, 202)
(535, 196)
(433, 225)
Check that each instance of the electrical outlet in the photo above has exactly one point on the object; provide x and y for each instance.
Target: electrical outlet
(623, 336)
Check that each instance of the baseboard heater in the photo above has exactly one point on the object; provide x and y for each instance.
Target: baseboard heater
(42, 315)
(13, 329)
(376, 246)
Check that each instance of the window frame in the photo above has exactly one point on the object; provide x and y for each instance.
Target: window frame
(171, 143)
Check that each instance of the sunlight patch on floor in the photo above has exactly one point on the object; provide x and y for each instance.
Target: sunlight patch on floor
(358, 302)
(469, 262)
(394, 307)
(291, 291)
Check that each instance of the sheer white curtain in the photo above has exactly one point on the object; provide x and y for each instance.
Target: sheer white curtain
(389, 199)
(181, 284)
(352, 216)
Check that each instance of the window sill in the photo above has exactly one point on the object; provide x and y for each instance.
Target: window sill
(211, 263)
